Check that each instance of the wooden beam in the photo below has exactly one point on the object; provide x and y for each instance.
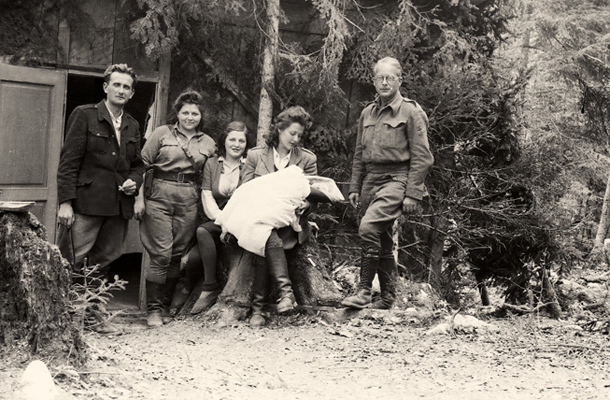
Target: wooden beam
(63, 40)
(161, 96)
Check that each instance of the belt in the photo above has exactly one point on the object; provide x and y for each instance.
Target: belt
(175, 176)
(384, 168)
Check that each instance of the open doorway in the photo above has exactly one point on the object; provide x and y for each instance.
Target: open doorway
(88, 89)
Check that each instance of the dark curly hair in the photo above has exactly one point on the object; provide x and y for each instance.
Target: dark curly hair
(188, 97)
(289, 116)
(237, 126)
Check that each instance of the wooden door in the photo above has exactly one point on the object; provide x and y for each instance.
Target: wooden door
(31, 135)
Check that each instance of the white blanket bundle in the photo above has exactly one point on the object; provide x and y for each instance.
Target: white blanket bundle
(262, 204)
(268, 202)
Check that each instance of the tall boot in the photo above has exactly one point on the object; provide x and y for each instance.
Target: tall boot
(168, 296)
(154, 303)
(259, 294)
(387, 273)
(368, 268)
(275, 258)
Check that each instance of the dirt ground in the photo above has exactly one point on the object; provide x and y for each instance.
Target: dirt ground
(382, 355)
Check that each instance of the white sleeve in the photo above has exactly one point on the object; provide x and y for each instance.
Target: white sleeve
(210, 207)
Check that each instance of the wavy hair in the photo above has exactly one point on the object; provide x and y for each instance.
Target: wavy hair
(123, 69)
(289, 116)
(188, 97)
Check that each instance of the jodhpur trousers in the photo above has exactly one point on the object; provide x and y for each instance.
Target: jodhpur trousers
(168, 225)
(381, 198)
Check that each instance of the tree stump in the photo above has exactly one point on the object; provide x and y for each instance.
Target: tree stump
(34, 297)
(311, 282)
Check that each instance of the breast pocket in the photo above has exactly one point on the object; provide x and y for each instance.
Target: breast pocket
(169, 151)
(393, 134)
(97, 141)
(368, 133)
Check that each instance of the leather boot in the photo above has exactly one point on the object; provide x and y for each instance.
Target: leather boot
(206, 299)
(368, 268)
(154, 303)
(181, 297)
(259, 294)
(387, 273)
(275, 258)
(168, 295)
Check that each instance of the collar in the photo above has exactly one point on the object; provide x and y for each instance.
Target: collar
(277, 155)
(117, 117)
(242, 160)
(197, 133)
(103, 113)
(394, 104)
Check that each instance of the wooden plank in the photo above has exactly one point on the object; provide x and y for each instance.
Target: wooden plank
(32, 115)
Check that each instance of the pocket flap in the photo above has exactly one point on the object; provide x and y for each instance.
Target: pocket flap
(99, 133)
(395, 121)
(84, 181)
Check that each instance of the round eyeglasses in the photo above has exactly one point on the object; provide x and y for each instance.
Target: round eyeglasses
(389, 79)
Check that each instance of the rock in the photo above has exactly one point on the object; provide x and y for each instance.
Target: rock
(37, 384)
(462, 324)
(572, 291)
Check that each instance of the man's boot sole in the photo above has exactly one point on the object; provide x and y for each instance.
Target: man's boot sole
(354, 305)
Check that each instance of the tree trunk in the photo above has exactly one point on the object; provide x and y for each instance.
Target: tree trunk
(311, 282)
(34, 297)
(548, 295)
(604, 220)
(437, 247)
(265, 113)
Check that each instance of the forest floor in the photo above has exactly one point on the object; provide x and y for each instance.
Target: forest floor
(374, 355)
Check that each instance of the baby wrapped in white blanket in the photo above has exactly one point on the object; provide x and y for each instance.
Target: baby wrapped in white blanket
(268, 202)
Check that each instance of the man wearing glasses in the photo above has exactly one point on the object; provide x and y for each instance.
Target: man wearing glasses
(391, 161)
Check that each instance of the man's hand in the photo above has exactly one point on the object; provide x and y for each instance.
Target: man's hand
(354, 199)
(410, 205)
(139, 208)
(65, 215)
(128, 187)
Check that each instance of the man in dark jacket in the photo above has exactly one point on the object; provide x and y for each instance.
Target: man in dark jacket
(100, 172)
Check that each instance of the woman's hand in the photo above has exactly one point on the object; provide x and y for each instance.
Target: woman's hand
(139, 208)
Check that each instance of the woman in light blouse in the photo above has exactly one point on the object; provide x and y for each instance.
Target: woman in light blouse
(221, 176)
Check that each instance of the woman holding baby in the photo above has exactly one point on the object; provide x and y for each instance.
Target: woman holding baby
(280, 151)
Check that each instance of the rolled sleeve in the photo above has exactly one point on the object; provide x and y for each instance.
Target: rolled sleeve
(206, 182)
(152, 146)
